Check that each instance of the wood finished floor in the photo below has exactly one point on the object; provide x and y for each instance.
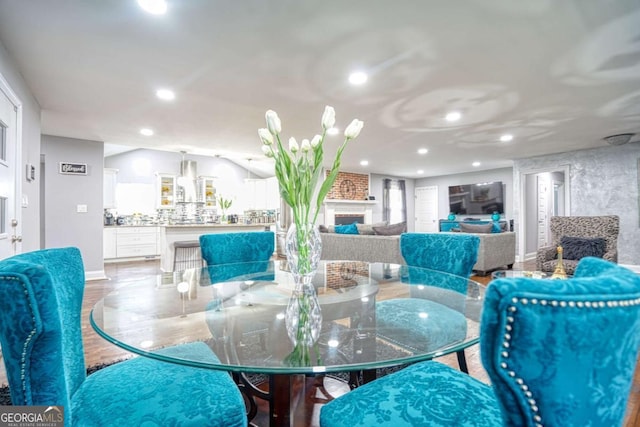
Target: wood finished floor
(97, 350)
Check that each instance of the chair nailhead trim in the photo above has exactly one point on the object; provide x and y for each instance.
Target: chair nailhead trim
(512, 310)
(27, 341)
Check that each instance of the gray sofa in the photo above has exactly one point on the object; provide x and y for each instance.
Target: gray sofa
(496, 249)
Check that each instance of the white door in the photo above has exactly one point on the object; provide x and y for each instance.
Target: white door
(426, 209)
(9, 213)
(543, 210)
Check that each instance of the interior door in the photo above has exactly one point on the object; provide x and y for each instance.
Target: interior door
(543, 210)
(9, 213)
(426, 208)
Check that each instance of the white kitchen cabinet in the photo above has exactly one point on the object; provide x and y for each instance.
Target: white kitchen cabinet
(166, 191)
(208, 192)
(109, 243)
(272, 193)
(110, 179)
(130, 242)
(256, 194)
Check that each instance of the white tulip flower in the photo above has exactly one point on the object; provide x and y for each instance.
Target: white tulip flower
(354, 128)
(293, 145)
(273, 122)
(266, 149)
(315, 141)
(328, 118)
(305, 146)
(265, 136)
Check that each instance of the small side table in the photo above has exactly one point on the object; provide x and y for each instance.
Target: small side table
(499, 274)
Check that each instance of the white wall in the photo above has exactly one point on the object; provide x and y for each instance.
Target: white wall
(443, 182)
(132, 170)
(63, 225)
(603, 181)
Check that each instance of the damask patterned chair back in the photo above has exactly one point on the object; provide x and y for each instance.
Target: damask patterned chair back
(451, 253)
(455, 254)
(225, 248)
(31, 328)
(563, 352)
(235, 255)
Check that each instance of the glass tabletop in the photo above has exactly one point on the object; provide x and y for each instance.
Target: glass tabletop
(374, 315)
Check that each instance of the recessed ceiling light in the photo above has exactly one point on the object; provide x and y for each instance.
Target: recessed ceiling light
(146, 131)
(453, 116)
(358, 77)
(165, 94)
(506, 137)
(364, 162)
(420, 171)
(423, 151)
(333, 131)
(155, 7)
(475, 164)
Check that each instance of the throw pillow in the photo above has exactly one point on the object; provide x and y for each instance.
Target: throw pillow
(476, 228)
(347, 229)
(323, 228)
(391, 230)
(367, 229)
(576, 248)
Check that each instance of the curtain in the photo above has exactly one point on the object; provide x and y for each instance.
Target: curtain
(386, 205)
(394, 201)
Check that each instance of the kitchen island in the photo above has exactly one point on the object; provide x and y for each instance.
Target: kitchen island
(179, 232)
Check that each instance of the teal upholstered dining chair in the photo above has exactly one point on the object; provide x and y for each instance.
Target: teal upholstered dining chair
(40, 331)
(224, 248)
(221, 249)
(558, 353)
(439, 252)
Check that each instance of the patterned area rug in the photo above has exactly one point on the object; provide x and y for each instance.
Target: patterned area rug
(5, 394)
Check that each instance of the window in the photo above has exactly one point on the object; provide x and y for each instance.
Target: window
(394, 201)
(3, 215)
(3, 142)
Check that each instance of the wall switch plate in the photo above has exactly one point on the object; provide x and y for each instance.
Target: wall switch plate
(82, 209)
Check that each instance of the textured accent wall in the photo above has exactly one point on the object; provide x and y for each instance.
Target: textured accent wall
(349, 186)
(603, 181)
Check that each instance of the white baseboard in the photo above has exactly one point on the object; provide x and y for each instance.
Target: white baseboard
(95, 275)
(634, 268)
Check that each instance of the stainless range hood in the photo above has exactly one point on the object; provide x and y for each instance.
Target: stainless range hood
(187, 180)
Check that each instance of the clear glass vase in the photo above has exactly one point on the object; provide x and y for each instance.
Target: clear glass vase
(303, 317)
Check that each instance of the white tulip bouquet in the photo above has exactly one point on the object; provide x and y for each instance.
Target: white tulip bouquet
(298, 169)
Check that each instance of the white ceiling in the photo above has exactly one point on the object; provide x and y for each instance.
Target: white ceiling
(559, 75)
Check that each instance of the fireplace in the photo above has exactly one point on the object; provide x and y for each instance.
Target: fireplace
(342, 219)
(348, 211)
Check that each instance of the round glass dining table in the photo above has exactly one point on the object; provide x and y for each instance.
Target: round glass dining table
(374, 315)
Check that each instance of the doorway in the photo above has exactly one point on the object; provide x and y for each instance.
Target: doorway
(10, 177)
(543, 193)
(426, 209)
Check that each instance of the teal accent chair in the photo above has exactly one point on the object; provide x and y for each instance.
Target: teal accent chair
(225, 248)
(40, 332)
(558, 353)
(252, 248)
(450, 259)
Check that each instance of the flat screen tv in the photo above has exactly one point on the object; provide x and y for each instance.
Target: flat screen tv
(483, 198)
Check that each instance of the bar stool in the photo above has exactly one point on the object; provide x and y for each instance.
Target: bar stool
(186, 254)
